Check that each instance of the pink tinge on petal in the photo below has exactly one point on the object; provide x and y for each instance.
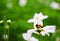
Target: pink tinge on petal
(26, 36)
(33, 39)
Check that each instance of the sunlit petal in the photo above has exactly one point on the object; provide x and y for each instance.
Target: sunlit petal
(30, 20)
(26, 36)
(33, 39)
(50, 29)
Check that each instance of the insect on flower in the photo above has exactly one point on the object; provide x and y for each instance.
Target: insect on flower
(47, 30)
(38, 27)
(37, 19)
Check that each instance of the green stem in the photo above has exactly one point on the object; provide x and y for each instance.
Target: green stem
(5, 33)
(8, 33)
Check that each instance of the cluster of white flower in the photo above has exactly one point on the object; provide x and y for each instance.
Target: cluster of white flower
(38, 25)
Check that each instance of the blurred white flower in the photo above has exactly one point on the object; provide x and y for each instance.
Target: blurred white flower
(47, 30)
(37, 19)
(9, 21)
(22, 2)
(33, 39)
(30, 31)
(43, 31)
(55, 5)
(28, 37)
(38, 27)
(1, 21)
(5, 36)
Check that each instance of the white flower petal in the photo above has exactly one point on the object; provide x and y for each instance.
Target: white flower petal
(42, 33)
(30, 20)
(47, 30)
(36, 32)
(36, 15)
(33, 39)
(38, 22)
(26, 36)
(50, 29)
(45, 17)
(32, 31)
(40, 16)
(48, 34)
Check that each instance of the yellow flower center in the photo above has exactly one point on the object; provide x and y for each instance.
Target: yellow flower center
(37, 18)
(43, 31)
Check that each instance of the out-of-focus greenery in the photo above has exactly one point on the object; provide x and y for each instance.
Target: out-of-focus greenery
(19, 16)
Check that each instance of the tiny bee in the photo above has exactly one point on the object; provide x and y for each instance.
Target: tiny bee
(38, 26)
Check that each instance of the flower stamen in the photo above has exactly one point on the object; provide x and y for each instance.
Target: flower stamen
(37, 18)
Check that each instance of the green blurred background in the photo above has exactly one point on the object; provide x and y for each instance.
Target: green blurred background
(20, 14)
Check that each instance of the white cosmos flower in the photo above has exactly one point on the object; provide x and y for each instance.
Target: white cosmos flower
(38, 24)
(39, 16)
(37, 19)
(47, 30)
(33, 39)
(28, 37)
(30, 31)
(44, 31)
